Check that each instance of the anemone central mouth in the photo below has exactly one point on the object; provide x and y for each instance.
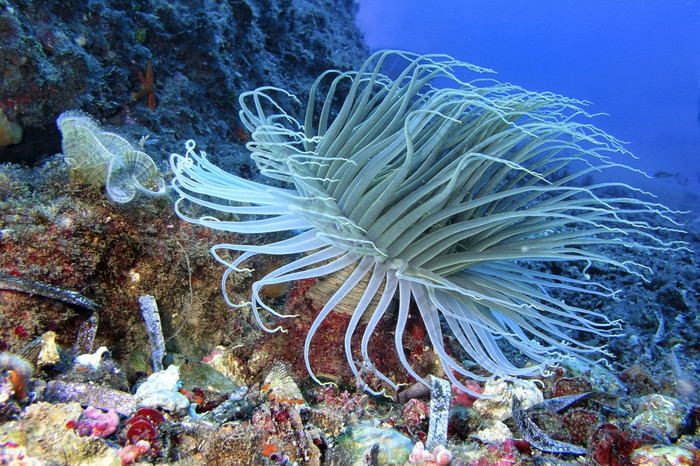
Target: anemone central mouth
(337, 229)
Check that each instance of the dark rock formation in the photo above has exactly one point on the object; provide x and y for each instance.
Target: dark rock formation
(93, 55)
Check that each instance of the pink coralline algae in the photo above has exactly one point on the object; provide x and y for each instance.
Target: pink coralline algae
(131, 453)
(439, 457)
(97, 423)
(462, 398)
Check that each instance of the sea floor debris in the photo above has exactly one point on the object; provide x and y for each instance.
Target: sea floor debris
(245, 398)
(24, 285)
(281, 421)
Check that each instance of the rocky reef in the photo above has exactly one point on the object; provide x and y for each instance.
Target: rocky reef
(77, 377)
(163, 69)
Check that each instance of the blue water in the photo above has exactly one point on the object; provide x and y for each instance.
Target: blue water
(636, 60)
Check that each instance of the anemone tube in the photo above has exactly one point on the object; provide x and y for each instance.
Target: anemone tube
(450, 197)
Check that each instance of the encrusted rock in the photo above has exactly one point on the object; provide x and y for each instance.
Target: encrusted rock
(159, 391)
(167, 379)
(664, 454)
(224, 360)
(166, 400)
(492, 432)
(499, 407)
(364, 443)
(90, 395)
(660, 413)
(43, 437)
(196, 374)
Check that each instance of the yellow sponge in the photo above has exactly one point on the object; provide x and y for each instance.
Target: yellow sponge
(10, 133)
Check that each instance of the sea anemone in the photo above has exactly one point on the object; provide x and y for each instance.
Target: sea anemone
(449, 194)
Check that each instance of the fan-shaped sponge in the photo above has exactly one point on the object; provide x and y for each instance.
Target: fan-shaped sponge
(97, 157)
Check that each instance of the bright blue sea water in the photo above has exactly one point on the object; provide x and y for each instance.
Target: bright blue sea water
(636, 60)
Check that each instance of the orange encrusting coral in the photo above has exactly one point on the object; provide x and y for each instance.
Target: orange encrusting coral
(269, 449)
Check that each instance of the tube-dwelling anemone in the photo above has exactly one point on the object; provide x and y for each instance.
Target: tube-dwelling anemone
(449, 197)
